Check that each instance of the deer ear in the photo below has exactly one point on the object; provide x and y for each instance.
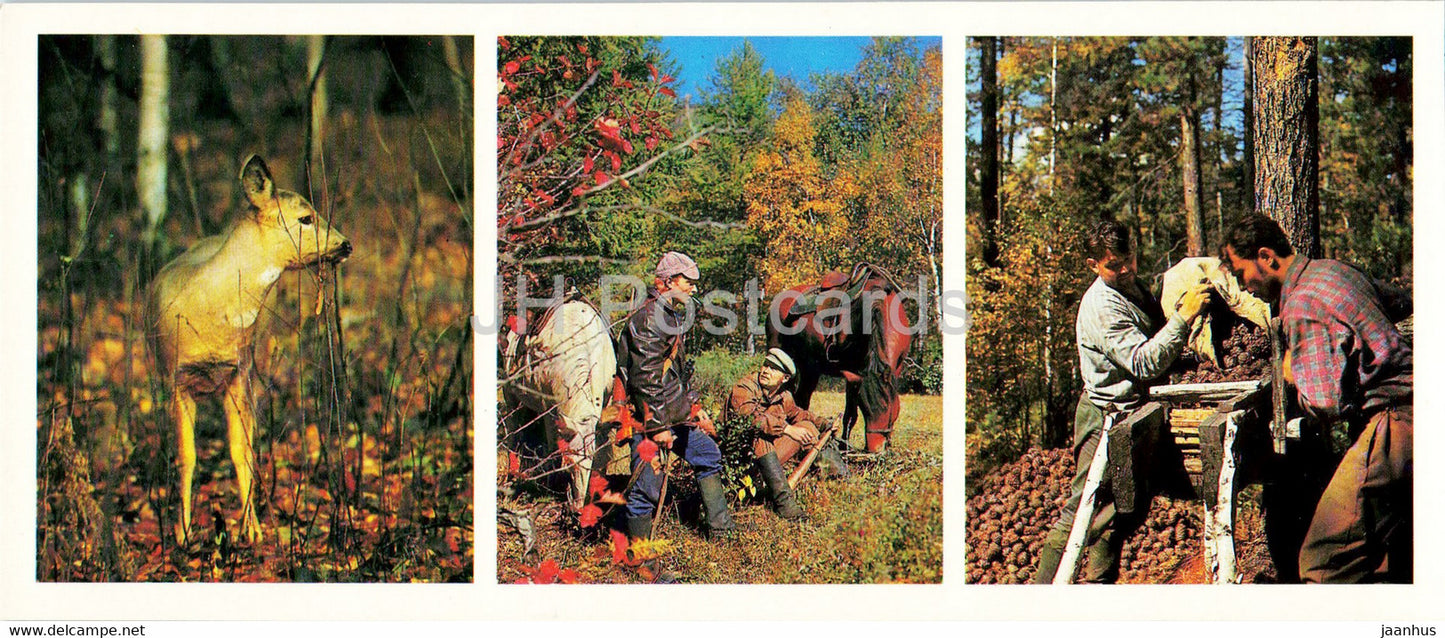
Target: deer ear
(256, 182)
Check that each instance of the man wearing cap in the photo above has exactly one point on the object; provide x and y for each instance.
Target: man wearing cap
(783, 428)
(651, 357)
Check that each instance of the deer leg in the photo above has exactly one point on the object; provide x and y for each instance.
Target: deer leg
(241, 428)
(183, 416)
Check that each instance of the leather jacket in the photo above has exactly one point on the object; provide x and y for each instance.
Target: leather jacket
(650, 357)
(771, 412)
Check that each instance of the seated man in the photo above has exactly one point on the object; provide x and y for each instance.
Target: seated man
(783, 428)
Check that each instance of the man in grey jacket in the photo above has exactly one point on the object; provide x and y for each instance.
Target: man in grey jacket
(1124, 342)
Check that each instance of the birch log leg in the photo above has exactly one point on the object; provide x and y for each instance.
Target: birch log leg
(1084, 516)
(1219, 520)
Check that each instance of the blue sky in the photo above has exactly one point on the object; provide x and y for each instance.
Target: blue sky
(798, 57)
(1232, 114)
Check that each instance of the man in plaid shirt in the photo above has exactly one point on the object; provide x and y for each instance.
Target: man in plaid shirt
(1351, 368)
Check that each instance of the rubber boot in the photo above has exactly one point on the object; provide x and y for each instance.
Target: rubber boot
(1103, 563)
(715, 505)
(830, 462)
(639, 528)
(1050, 556)
(778, 491)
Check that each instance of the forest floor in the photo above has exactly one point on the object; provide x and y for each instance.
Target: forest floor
(1011, 509)
(883, 524)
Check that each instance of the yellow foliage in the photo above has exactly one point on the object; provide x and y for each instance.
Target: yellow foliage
(799, 215)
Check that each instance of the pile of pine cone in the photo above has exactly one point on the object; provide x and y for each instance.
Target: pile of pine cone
(1012, 510)
(1244, 356)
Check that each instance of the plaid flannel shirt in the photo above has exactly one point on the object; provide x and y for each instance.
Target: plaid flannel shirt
(1346, 356)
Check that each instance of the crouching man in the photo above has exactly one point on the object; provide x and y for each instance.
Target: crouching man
(782, 428)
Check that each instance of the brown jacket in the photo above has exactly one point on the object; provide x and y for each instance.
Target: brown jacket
(771, 413)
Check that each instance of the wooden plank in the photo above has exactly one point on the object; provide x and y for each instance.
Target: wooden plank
(1245, 400)
(1277, 422)
(1189, 415)
(1131, 461)
(1202, 391)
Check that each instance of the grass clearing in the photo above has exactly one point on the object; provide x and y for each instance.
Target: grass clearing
(883, 524)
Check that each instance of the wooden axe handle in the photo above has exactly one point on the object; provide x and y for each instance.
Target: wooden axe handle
(807, 461)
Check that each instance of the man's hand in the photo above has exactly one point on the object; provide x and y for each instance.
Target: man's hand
(800, 434)
(1194, 302)
(663, 439)
(705, 423)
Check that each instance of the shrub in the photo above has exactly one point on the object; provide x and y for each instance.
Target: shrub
(714, 373)
(923, 373)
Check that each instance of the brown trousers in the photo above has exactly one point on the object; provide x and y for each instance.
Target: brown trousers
(785, 446)
(1362, 530)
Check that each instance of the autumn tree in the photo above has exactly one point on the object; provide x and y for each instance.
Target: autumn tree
(581, 121)
(1247, 182)
(798, 215)
(898, 208)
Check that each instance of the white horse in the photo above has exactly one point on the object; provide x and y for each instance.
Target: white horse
(562, 370)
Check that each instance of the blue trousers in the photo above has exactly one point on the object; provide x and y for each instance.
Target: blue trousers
(692, 445)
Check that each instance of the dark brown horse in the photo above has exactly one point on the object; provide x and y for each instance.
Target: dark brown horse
(864, 344)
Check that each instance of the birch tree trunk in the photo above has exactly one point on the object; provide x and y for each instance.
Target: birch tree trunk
(317, 105)
(1053, 114)
(154, 131)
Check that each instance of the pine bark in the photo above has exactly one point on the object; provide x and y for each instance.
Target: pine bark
(1247, 183)
(1189, 162)
(1287, 137)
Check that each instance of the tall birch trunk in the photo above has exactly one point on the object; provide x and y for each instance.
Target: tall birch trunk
(154, 131)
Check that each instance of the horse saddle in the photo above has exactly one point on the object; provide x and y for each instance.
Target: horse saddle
(810, 300)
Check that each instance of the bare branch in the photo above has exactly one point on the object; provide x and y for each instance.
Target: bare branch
(555, 117)
(561, 259)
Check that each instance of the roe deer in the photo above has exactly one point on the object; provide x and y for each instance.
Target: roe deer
(202, 311)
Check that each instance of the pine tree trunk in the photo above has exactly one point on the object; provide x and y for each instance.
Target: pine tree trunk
(988, 78)
(1287, 137)
(1247, 183)
(1189, 165)
(154, 131)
